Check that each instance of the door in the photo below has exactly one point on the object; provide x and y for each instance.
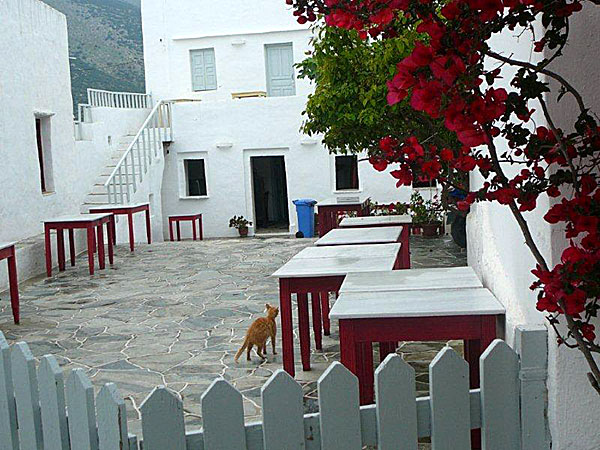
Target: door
(204, 71)
(269, 187)
(280, 70)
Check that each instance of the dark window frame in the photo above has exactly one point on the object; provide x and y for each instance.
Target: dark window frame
(353, 180)
(202, 180)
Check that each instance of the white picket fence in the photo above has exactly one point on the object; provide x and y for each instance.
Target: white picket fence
(509, 408)
(140, 154)
(111, 99)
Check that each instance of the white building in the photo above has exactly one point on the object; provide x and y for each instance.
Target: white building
(241, 156)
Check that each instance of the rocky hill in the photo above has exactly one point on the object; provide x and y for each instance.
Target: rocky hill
(105, 45)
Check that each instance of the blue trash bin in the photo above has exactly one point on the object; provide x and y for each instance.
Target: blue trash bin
(305, 208)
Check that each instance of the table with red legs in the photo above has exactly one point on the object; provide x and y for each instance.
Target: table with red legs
(331, 209)
(469, 314)
(319, 271)
(182, 218)
(7, 251)
(392, 220)
(129, 211)
(93, 224)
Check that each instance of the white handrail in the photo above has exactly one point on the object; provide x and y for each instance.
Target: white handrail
(133, 165)
(112, 99)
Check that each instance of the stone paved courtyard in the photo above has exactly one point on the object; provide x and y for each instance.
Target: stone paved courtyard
(175, 313)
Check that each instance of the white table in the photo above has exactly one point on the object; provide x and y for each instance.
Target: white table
(354, 236)
(414, 279)
(376, 221)
(330, 209)
(387, 317)
(318, 271)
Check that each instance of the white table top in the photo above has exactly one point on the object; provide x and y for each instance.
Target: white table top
(352, 251)
(78, 218)
(4, 245)
(353, 236)
(344, 199)
(120, 206)
(404, 280)
(366, 221)
(340, 266)
(420, 303)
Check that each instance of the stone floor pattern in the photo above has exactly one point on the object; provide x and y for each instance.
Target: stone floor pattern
(175, 313)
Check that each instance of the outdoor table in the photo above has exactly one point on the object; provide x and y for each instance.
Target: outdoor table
(318, 271)
(469, 314)
(129, 211)
(329, 210)
(7, 251)
(90, 222)
(185, 217)
(403, 220)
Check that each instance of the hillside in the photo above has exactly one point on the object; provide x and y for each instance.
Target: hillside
(105, 45)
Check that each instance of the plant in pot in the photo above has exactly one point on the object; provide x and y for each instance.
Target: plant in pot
(427, 214)
(241, 224)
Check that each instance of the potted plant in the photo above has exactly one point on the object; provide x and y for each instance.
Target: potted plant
(241, 224)
(427, 214)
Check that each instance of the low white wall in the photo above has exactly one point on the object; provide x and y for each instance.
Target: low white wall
(254, 127)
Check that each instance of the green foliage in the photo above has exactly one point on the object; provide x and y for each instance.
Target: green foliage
(349, 105)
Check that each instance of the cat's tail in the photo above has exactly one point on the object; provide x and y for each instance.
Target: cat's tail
(241, 350)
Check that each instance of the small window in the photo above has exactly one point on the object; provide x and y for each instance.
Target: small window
(424, 183)
(346, 173)
(204, 70)
(44, 148)
(195, 176)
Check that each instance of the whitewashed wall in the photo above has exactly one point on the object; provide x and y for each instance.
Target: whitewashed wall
(497, 251)
(254, 127)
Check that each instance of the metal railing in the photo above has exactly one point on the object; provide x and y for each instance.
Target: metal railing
(110, 99)
(139, 156)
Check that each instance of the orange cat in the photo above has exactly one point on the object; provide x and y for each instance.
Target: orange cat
(258, 333)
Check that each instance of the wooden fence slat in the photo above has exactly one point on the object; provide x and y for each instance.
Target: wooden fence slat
(162, 421)
(395, 392)
(531, 343)
(9, 438)
(112, 419)
(450, 406)
(52, 404)
(283, 413)
(26, 397)
(499, 369)
(339, 409)
(82, 412)
(223, 417)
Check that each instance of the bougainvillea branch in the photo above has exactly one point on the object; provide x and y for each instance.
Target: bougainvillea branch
(491, 111)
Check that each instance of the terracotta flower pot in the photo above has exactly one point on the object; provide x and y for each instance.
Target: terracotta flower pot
(243, 231)
(430, 229)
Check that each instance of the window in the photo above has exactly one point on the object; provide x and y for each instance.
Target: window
(195, 177)
(424, 183)
(346, 173)
(204, 71)
(42, 134)
(280, 70)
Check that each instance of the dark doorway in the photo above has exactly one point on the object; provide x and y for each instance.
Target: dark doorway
(270, 193)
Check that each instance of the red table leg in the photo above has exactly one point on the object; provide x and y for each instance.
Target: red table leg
(60, 248)
(303, 330)
(148, 226)
(405, 240)
(316, 318)
(72, 246)
(171, 229)
(287, 334)
(178, 230)
(325, 309)
(48, 246)
(385, 348)
(130, 225)
(100, 232)
(14, 286)
(201, 228)
(90, 242)
(349, 355)
(113, 225)
(110, 233)
(366, 378)
(194, 229)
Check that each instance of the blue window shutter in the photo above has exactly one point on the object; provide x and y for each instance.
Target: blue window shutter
(280, 70)
(204, 70)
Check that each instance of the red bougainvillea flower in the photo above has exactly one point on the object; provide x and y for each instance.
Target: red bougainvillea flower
(378, 163)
